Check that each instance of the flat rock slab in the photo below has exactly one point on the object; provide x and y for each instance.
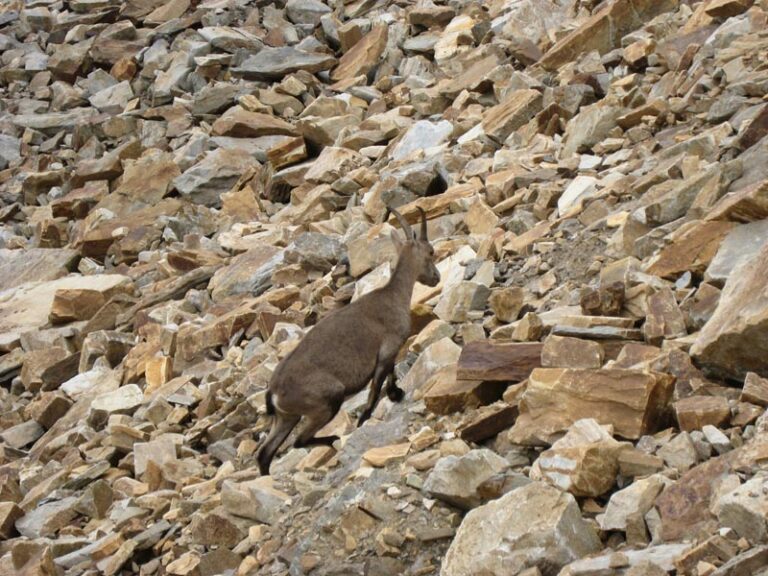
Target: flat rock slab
(34, 265)
(741, 244)
(498, 360)
(29, 306)
(275, 63)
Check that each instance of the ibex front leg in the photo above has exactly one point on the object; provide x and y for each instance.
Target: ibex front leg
(382, 372)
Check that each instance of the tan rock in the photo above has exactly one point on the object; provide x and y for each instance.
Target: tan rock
(564, 352)
(664, 320)
(529, 328)
(334, 163)
(633, 463)
(755, 390)
(82, 303)
(506, 303)
(695, 412)
(380, 457)
(604, 30)
(363, 56)
(584, 462)
(498, 360)
(9, 513)
(632, 401)
(446, 394)
(240, 123)
(732, 342)
(516, 111)
(691, 251)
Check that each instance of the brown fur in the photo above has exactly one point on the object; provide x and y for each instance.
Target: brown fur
(347, 349)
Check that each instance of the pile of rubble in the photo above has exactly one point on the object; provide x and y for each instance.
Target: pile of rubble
(186, 187)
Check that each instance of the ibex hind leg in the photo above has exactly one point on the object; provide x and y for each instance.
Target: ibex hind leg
(394, 392)
(281, 428)
(323, 413)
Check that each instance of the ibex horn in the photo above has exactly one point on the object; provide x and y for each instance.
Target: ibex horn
(403, 224)
(423, 223)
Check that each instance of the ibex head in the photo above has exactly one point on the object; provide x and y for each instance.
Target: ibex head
(419, 249)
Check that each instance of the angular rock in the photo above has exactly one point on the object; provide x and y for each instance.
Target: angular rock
(206, 181)
(632, 401)
(732, 342)
(755, 390)
(498, 360)
(276, 63)
(637, 498)
(695, 412)
(241, 123)
(584, 462)
(455, 479)
(536, 525)
(363, 57)
(564, 352)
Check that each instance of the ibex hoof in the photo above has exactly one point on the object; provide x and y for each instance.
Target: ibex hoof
(395, 394)
(363, 417)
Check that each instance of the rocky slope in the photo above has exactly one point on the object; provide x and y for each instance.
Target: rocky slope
(186, 187)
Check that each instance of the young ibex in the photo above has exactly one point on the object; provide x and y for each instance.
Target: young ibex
(346, 350)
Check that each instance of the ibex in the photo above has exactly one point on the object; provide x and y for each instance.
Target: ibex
(347, 349)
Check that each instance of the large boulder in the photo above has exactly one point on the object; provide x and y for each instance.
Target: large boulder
(735, 339)
(536, 525)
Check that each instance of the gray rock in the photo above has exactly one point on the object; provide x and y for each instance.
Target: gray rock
(533, 526)
(114, 99)
(421, 136)
(22, 434)
(663, 556)
(745, 509)
(10, 150)
(306, 11)
(741, 244)
(204, 182)
(274, 63)
(124, 400)
(455, 479)
(256, 499)
(55, 121)
(230, 39)
(47, 518)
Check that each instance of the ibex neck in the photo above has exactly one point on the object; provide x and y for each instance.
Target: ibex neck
(404, 276)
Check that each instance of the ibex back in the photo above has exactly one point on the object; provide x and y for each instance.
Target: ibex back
(347, 349)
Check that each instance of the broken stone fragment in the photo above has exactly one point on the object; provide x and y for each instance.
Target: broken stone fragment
(695, 412)
(745, 510)
(638, 497)
(124, 400)
(82, 303)
(363, 56)
(565, 352)
(731, 342)
(755, 390)
(206, 181)
(456, 479)
(241, 123)
(584, 462)
(256, 499)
